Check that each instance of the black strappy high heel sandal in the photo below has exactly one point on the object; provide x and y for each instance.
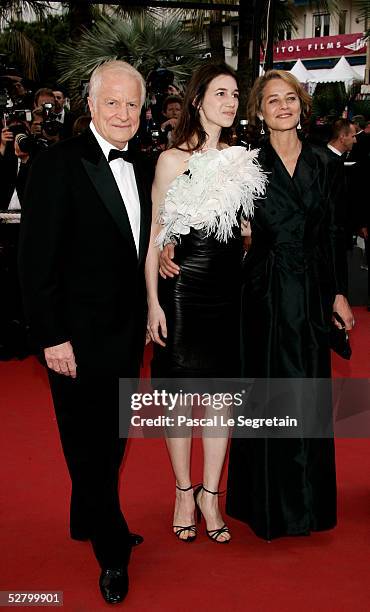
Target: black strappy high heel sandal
(213, 534)
(180, 529)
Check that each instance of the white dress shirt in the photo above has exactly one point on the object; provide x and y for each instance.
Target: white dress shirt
(346, 163)
(334, 150)
(61, 115)
(124, 175)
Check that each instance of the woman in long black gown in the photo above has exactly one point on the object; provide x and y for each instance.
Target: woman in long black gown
(201, 187)
(294, 276)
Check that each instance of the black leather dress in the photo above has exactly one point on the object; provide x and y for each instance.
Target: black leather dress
(202, 307)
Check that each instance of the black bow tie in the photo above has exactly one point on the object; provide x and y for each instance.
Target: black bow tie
(125, 155)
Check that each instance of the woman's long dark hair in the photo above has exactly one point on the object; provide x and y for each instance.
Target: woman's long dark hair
(189, 130)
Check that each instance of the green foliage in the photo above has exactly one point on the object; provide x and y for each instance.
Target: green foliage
(11, 10)
(329, 99)
(361, 107)
(46, 37)
(144, 42)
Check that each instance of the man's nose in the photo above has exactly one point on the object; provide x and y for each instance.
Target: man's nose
(123, 112)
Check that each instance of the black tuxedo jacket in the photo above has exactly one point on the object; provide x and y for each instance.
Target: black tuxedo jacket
(11, 178)
(354, 185)
(81, 277)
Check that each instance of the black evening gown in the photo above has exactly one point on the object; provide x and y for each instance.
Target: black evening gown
(202, 307)
(295, 267)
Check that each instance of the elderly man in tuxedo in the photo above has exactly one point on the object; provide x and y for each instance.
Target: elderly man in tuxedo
(84, 238)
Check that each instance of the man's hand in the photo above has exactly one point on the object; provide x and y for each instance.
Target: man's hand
(6, 136)
(170, 122)
(166, 266)
(342, 307)
(61, 359)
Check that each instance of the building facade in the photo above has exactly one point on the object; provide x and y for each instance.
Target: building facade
(320, 39)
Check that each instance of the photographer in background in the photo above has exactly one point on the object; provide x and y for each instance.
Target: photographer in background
(13, 166)
(44, 95)
(45, 127)
(171, 110)
(158, 82)
(20, 144)
(63, 114)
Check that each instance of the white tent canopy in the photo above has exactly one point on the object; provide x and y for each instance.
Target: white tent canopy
(300, 72)
(342, 71)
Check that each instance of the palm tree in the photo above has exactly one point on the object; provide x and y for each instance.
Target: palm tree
(10, 10)
(214, 20)
(251, 13)
(145, 42)
(82, 14)
(16, 41)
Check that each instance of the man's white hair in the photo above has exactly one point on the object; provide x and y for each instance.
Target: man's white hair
(114, 66)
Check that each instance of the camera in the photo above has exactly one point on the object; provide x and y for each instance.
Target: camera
(11, 107)
(21, 114)
(50, 124)
(27, 143)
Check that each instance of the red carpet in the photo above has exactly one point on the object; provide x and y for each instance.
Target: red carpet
(325, 572)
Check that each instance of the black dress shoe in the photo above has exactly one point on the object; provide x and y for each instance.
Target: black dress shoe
(113, 583)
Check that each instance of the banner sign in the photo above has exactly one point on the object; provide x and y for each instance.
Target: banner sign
(313, 48)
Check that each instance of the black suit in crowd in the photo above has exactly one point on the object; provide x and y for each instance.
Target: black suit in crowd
(67, 125)
(361, 154)
(13, 333)
(11, 178)
(354, 191)
(83, 282)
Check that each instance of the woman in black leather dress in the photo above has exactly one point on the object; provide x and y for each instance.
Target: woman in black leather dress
(201, 187)
(294, 276)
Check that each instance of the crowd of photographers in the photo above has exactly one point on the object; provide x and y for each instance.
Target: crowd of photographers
(25, 132)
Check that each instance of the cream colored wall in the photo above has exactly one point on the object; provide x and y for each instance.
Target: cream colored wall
(305, 20)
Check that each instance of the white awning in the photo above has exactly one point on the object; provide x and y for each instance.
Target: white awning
(300, 72)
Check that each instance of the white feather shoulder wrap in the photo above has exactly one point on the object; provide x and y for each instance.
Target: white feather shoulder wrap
(210, 195)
